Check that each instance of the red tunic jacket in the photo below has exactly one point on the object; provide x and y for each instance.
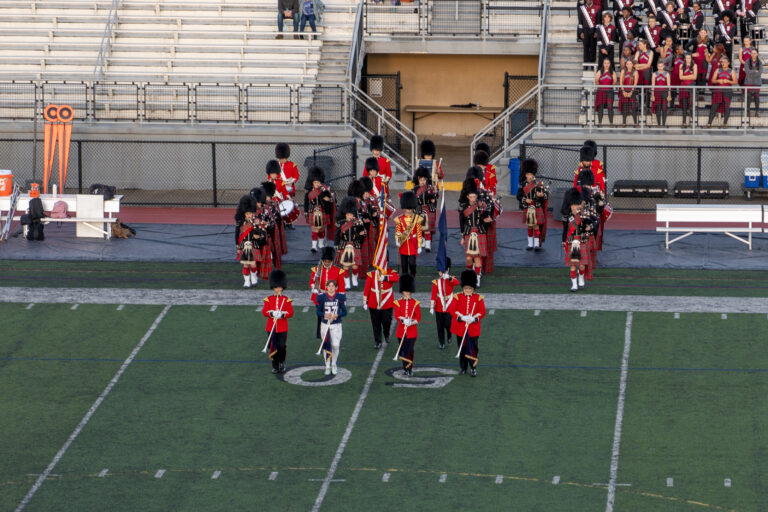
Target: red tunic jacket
(443, 288)
(409, 309)
(327, 274)
(374, 288)
(290, 171)
(490, 179)
(411, 246)
(275, 303)
(597, 170)
(464, 304)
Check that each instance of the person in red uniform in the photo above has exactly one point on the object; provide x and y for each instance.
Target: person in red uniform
(725, 31)
(372, 173)
(440, 302)
(605, 79)
(273, 175)
(277, 309)
(277, 232)
(319, 209)
(628, 92)
(724, 79)
(428, 154)
(669, 21)
(577, 253)
(408, 314)
(426, 198)
(289, 172)
(588, 160)
(378, 300)
(323, 273)
(474, 218)
(533, 196)
(490, 180)
(408, 233)
(350, 236)
(356, 189)
(264, 220)
(374, 210)
(747, 16)
(467, 311)
(661, 94)
(376, 146)
(627, 24)
(248, 239)
(744, 55)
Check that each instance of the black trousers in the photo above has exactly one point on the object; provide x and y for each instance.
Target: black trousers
(408, 264)
(464, 361)
(280, 339)
(589, 44)
(381, 321)
(443, 322)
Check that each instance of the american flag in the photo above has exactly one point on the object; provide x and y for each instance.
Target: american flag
(380, 256)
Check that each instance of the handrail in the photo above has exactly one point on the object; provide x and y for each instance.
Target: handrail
(544, 41)
(403, 160)
(105, 47)
(503, 119)
(356, 49)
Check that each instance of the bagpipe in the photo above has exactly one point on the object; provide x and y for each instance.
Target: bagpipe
(605, 209)
(537, 195)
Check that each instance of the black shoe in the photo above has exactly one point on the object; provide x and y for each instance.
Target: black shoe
(473, 372)
(442, 346)
(290, 226)
(377, 345)
(281, 369)
(386, 340)
(275, 370)
(537, 249)
(463, 372)
(314, 250)
(410, 372)
(529, 248)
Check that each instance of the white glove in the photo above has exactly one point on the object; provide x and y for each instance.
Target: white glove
(431, 311)
(419, 251)
(397, 243)
(382, 278)
(365, 306)
(275, 314)
(446, 276)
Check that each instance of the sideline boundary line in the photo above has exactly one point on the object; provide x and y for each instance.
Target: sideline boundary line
(619, 415)
(71, 439)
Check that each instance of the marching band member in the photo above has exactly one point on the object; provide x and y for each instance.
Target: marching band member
(605, 79)
(467, 310)
(688, 74)
(669, 21)
(744, 54)
(372, 173)
(376, 146)
(577, 255)
(627, 24)
(263, 219)
(319, 209)
(378, 300)
(277, 309)
(442, 297)
(408, 233)
(753, 70)
(533, 197)
(661, 94)
(747, 16)
(628, 92)
(289, 172)
(494, 206)
(331, 308)
(374, 210)
(588, 160)
(606, 37)
(350, 235)
(428, 155)
(725, 31)
(323, 273)
(474, 218)
(426, 198)
(490, 181)
(273, 175)
(357, 190)
(408, 314)
(249, 239)
(652, 33)
(589, 211)
(276, 233)
(588, 13)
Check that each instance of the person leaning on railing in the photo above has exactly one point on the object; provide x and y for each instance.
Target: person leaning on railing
(753, 72)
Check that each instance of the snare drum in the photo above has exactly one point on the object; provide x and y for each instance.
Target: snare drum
(758, 32)
(288, 211)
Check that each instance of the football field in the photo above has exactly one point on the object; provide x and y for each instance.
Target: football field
(154, 407)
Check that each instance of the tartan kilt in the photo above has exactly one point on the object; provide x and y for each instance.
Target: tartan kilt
(283, 240)
(490, 234)
(482, 245)
(431, 219)
(275, 244)
(488, 263)
(585, 258)
(603, 97)
(365, 250)
(593, 250)
(659, 99)
(723, 98)
(371, 240)
(265, 263)
(358, 255)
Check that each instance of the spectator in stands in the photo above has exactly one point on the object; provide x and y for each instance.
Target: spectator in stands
(701, 56)
(628, 91)
(287, 9)
(744, 54)
(308, 15)
(606, 36)
(753, 72)
(605, 79)
(661, 94)
(588, 16)
(714, 62)
(626, 54)
(723, 79)
(688, 75)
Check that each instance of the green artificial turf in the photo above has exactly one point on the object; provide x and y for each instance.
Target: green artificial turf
(614, 281)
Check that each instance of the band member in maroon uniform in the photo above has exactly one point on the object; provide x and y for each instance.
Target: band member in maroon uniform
(669, 22)
(697, 20)
(652, 34)
(674, 74)
(289, 172)
(747, 13)
(701, 57)
(661, 94)
(719, 7)
(688, 73)
(319, 209)
(277, 309)
(467, 311)
(605, 79)
(426, 198)
(722, 95)
(725, 31)
(350, 235)
(376, 146)
(606, 37)
(628, 92)
(379, 301)
(440, 302)
(744, 55)
(533, 196)
(643, 62)
(408, 233)
(588, 16)
(408, 314)
(627, 24)
(474, 218)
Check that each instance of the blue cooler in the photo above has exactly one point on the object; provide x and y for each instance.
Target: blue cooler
(751, 177)
(514, 175)
(765, 180)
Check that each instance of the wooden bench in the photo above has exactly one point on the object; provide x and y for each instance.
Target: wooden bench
(429, 110)
(729, 219)
(91, 212)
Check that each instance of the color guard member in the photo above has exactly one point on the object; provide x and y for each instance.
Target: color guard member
(408, 233)
(378, 300)
(277, 309)
(467, 310)
(408, 314)
(440, 302)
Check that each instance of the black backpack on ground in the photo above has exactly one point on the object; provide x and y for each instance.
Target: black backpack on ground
(105, 190)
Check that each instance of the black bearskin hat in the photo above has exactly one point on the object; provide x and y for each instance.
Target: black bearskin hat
(586, 154)
(367, 183)
(278, 279)
(586, 177)
(407, 283)
(269, 188)
(408, 201)
(372, 163)
(316, 174)
(273, 167)
(282, 150)
(377, 143)
(246, 204)
(259, 195)
(348, 205)
(356, 189)
(476, 173)
(480, 158)
(469, 186)
(428, 148)
(468, 278)
(728, 13)
(447, 264)
(328, 254)
(572, 196)
(482, 146)
(592, 144)
(422, 172)
(529, 166)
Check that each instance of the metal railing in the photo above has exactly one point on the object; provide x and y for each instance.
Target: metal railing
(357, 48)
(106, 41)
(511, 127)
(462, 18)
(544, 41)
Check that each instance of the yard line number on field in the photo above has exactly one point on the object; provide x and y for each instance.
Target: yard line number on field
(45, 474)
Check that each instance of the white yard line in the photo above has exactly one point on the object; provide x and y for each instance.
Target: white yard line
(121, 307)
(160, 473)
(385, 477)
(273, 475)
(74, 307)
(619, 415)
(216, 474)
(348, 431)
(91, 411)
(30, 305)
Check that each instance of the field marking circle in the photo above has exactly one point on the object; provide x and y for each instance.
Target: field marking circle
(295, 376)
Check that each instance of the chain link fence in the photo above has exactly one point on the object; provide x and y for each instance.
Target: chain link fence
(176, 173)
(515, 87)
(687, 173)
